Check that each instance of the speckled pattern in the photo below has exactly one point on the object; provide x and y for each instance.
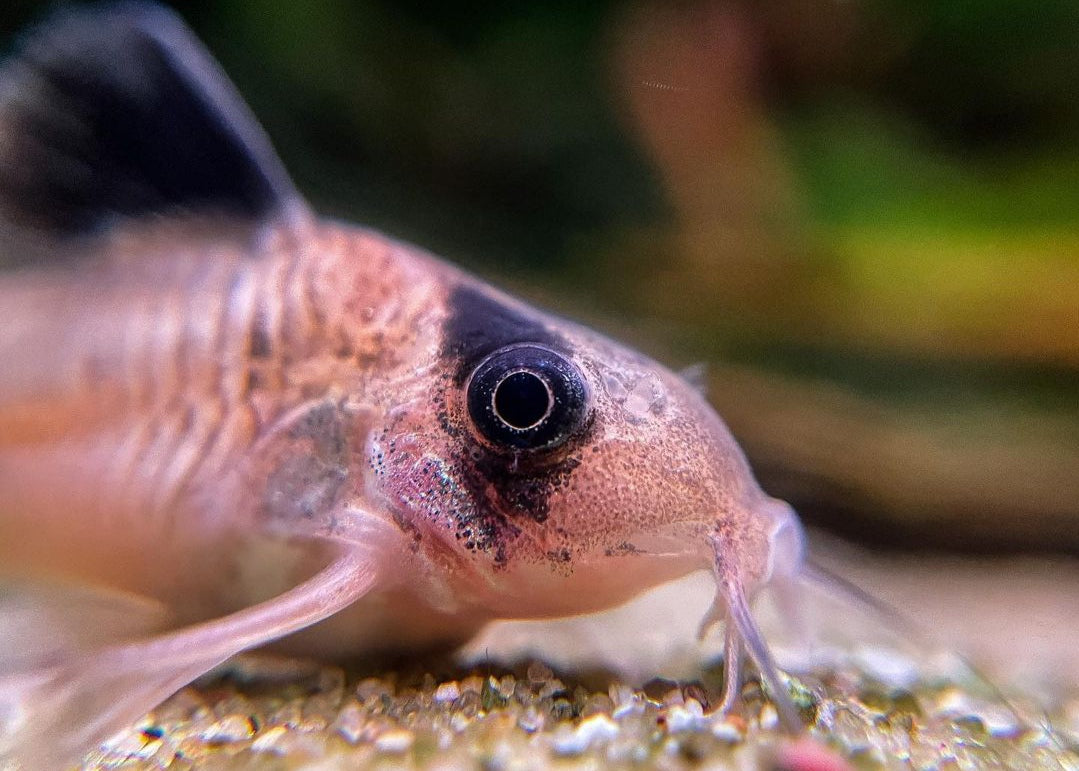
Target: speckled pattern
(528, 717)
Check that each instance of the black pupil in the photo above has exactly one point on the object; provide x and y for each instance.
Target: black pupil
(522, 400)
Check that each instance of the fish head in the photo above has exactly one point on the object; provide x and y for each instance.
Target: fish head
(546, 470)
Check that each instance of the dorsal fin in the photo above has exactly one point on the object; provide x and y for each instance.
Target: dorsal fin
(115, 112)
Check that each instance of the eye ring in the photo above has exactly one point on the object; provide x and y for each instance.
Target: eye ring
(527, 397)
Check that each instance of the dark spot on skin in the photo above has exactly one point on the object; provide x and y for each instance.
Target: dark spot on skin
(258, 343)
(621, 550)
(479, 324)
(452, 493)
(522, 491)
(501, 493)
(408, 526)
(484, 529)
(443, 414)
(187, 421)
(311, 467)
(323, 425)
(254, 380)
(302, 487)
(559, 555)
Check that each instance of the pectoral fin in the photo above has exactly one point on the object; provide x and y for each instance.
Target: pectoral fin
(51, 715)
(44, 621)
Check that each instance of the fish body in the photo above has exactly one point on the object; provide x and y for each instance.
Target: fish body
(248, 425)
(217, 407)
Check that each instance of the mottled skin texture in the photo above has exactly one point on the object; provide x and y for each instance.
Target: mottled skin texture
(314, 386)
(235, 421)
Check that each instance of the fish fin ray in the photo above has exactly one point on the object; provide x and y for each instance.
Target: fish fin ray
(51, 715)
(44, 620)
(696, 377)
(117, 112)
(904, 629)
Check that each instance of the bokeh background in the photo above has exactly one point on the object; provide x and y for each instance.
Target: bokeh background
(861, 216)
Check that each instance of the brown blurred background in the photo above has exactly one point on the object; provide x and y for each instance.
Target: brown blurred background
(863, 216)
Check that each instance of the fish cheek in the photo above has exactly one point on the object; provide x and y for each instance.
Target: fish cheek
(434, 473)
(426, 477)
(626, 492)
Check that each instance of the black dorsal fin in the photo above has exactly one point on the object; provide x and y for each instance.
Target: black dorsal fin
(116, 111)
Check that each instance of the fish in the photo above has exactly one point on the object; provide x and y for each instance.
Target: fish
(226, 422)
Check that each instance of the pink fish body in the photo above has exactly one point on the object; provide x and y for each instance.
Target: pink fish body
(224, 421)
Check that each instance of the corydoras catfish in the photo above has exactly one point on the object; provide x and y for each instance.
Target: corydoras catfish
(224, 420)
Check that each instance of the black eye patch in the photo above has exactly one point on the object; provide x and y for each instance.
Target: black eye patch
(479, 324)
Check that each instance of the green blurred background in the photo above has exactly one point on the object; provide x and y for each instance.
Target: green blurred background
(863, 216)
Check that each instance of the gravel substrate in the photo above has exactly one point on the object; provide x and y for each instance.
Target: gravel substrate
(529, 717)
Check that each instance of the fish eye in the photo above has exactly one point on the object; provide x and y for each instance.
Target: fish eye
(527, 397)
(522, 400)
